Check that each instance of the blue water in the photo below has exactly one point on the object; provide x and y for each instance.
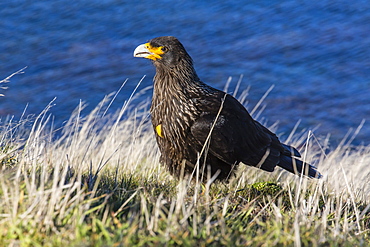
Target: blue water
(316, 53)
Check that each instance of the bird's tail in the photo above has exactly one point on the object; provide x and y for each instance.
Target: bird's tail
(298, 167)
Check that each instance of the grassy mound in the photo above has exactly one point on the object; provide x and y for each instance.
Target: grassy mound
(97, 182)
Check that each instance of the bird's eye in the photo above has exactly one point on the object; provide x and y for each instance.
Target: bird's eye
(164, 49)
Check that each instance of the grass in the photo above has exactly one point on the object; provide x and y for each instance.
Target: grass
(97, 182)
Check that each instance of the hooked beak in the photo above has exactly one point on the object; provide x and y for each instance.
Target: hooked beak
(149, 52)
(142, 51)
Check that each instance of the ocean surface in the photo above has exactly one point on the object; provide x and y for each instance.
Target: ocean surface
(315, 53)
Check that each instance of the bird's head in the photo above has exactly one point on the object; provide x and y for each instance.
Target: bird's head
(166, 50)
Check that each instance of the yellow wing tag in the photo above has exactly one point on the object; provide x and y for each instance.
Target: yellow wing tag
(158, 129)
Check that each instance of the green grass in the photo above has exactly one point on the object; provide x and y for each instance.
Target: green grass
(100, 184)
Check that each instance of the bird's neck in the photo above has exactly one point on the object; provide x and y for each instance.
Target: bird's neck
(175, 89)
(180, 79)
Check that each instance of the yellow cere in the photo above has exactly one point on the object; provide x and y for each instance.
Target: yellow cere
(158, 129)
(156, 52)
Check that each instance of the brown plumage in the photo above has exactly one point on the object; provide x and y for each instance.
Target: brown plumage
(192, 120)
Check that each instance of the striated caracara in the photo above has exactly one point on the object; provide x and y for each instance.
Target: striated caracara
(196, 124)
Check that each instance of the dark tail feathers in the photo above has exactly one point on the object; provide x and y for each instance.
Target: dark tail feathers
(298, 167)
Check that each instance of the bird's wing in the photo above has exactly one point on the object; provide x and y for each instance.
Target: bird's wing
(235, 136)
